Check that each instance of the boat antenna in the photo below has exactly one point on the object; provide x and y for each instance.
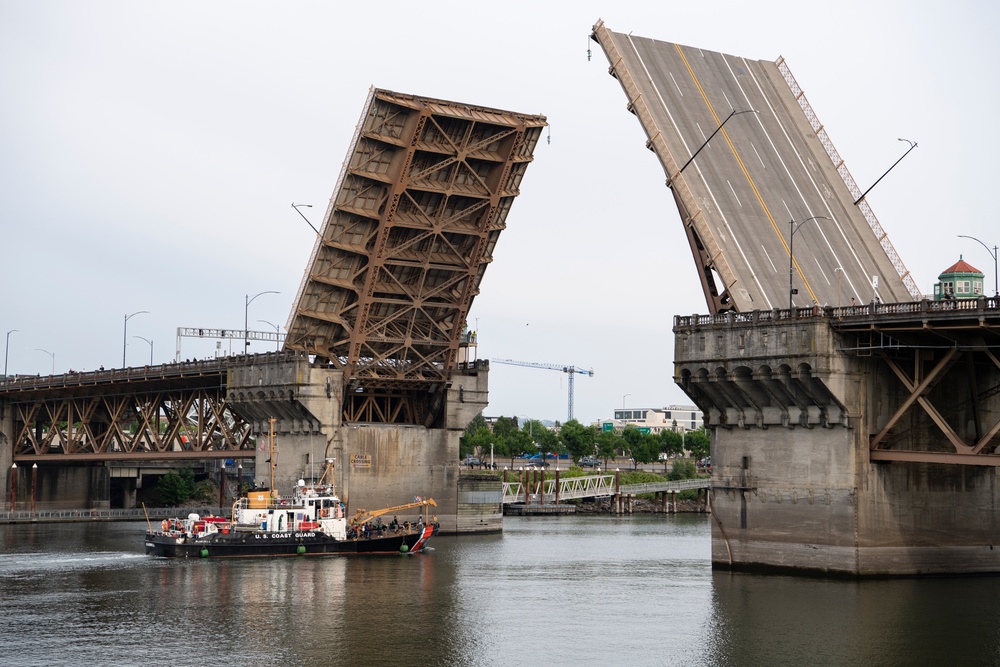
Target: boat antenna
(328, 466)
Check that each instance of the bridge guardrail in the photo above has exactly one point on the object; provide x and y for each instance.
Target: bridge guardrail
(900, 311)
(177, 369)
(71, 515)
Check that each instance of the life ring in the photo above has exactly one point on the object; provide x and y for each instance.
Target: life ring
(165, 525)
(325, 512)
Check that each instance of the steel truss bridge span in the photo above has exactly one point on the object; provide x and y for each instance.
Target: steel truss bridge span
(931, 368)
(170, 411)
(410, 229)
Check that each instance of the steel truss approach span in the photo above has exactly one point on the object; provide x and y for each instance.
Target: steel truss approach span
(173, 411)
(412, 224)
(745, 156)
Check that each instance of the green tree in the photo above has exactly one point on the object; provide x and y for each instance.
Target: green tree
(176, 487)
(577, 439)
(478, 422)
(547, 441)
(516, 444)
(633, 442)
(645, 448)
(476, 437)
(671, 443)
(609, 444)
(698, 443)
(535, 430)
(504, 426)
(682, 469)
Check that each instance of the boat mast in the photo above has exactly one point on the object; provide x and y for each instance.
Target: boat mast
(273, 453)
(327, 476)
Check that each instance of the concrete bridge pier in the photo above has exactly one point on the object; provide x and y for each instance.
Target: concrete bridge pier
(376, 464)
(858, 442)
(6, 450)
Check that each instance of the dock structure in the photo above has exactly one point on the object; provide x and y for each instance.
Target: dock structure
(534, 492)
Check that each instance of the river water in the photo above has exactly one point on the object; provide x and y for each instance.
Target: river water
(586, 590)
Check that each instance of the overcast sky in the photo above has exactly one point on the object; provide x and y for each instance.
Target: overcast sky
(150, 153)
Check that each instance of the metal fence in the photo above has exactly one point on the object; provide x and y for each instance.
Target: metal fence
(71, 515)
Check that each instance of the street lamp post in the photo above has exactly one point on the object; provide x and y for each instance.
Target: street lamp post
(296, 207)
(993, 254)
(246, 311)
(125, 332)
(5, 350)
(277, 334)
(51, 354)
(839, 271)
(150, 348)
(691, 159)
(793, 227)
(913, 145)
(623, 400)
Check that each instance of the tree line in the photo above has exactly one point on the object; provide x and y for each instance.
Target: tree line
(510, 439)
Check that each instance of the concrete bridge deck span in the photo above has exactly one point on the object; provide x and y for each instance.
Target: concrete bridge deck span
(746, 183)
(854, 441)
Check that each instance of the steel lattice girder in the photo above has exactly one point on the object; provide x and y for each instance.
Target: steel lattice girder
(412, 225)
(195, 423)
(943, 373)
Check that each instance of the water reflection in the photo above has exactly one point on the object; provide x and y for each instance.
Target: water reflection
(550, 590)
(768, 620)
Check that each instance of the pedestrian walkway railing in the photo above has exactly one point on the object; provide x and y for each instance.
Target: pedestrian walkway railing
(591, 486)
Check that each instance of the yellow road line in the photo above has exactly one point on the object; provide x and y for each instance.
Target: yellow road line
(753, 186)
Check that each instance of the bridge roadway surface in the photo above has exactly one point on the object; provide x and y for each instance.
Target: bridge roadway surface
(758, 173)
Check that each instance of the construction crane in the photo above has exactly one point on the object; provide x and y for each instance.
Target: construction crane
(571, 370)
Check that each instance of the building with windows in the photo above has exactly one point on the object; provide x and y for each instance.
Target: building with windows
(678, 418)
(959, 281)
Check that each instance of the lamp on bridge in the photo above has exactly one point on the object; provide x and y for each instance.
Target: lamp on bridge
(296, 207)
(246, 311)
(623, 400)
(277, 334)
(913, 145)
(691, 159)
(793, 227)
(125, 332)
(51, 354)
(993, 254)
(150, 348)
(840, 272)
(5, 350)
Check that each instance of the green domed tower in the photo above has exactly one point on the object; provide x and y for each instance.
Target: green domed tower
(959, 281)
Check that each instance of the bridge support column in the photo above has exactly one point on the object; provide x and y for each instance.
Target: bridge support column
(377, 464)
(6, 435)
(839, 446)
